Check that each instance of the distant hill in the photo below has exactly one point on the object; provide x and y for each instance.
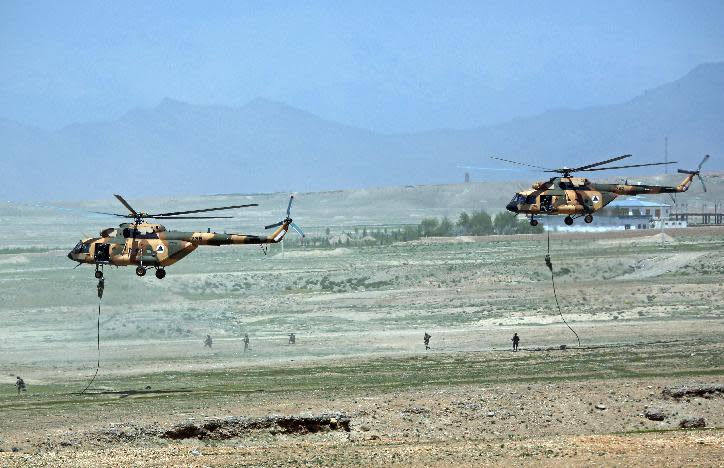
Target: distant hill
(265, 146)
(339, 210)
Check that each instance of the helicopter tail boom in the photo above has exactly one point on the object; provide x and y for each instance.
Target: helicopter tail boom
(655, 189)
(216, 239)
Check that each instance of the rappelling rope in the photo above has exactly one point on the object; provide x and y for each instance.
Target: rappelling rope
(101, 286)
(555, 294)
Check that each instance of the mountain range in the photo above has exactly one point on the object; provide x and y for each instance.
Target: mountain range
(179, 148)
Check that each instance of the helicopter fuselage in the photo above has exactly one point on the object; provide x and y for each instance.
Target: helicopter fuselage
(151, 245)
(573, 196)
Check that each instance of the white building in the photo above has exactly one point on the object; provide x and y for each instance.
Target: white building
(621, 214)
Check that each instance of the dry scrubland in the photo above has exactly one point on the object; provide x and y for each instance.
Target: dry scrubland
(649, 313)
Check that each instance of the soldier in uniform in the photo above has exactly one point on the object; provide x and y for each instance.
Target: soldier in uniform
(208, 341)
(426, 339)
(20, 384)
(292, 338)
(246, 341)
(515, 340)
(101, 286)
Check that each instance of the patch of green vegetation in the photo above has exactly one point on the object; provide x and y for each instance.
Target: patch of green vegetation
(360, 376)
(676, 429)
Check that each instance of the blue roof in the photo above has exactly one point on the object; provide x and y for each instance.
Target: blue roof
(635, 202)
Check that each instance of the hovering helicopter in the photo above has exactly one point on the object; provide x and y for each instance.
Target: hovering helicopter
(150, 245)
(578, 196)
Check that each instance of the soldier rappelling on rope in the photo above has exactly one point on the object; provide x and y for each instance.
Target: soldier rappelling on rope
(549, 264)
(101, 286)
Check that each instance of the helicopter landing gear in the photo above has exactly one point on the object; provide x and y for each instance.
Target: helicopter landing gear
(568, 220)
(140, 271)
(588, 218)
(98, 273)
(160, 273)
(534, 222)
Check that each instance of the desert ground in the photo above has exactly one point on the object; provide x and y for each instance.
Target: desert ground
(358, 387)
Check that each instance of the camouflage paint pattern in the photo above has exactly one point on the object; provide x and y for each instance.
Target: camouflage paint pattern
(151, 245)
(578, 195)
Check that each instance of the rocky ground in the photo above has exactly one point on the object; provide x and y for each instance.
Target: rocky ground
(673, 417)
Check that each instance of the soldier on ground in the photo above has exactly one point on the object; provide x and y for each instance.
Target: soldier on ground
(426, 339)
(20, 384)
(292, 338)
(208, 341)
(246, 341)
(515, 341)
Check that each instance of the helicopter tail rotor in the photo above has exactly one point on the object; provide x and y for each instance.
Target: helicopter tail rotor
(697, 172)
(288, 220)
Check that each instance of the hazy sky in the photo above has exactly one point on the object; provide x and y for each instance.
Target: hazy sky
(388, 65)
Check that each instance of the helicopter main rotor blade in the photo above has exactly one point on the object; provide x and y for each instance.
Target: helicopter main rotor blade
(582, 168)
(187, 217)
(519, 163)
(113, 214)
(507, 169)
(128, 207)
(201, 211)
(622, 167)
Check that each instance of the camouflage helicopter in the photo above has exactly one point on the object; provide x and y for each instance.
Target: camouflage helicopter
(150, 245)
(578, 196)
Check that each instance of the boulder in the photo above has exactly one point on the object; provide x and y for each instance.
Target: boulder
(704, 391)
(655, 414)
(689, 423)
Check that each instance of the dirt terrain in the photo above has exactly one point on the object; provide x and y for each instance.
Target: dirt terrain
(649, 311)
(542, 407)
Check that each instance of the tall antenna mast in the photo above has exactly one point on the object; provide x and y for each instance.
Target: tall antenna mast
(666, 153)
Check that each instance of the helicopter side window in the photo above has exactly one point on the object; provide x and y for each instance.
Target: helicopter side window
(128, 232)
(85, 248)
(530, 199)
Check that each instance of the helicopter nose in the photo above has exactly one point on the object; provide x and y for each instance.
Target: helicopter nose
(512, 207)
(70, 255)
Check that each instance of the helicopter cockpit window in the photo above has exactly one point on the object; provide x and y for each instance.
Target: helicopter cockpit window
(78, 247)
(82, 248)
(518, 198)
(530, 199)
